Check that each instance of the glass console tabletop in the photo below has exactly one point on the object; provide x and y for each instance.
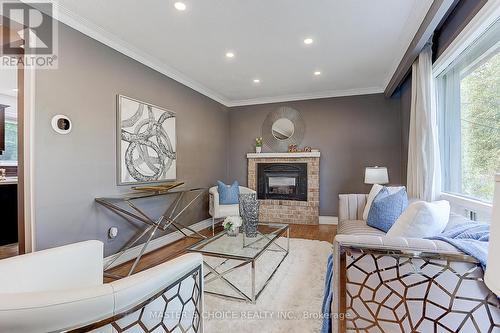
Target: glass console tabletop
(147, 194)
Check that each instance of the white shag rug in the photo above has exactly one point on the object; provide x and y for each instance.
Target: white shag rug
(290, 303)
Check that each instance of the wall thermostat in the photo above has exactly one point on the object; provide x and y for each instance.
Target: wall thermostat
(61, 124)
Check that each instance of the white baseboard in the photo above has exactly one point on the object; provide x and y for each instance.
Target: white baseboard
(328, 220)
(156, 243)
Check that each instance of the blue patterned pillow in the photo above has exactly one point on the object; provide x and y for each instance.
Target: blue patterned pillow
(228, 194)
(386, 208)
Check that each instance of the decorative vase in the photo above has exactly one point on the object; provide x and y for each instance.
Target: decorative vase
(233, 232)
(258, 149)
(249, 211)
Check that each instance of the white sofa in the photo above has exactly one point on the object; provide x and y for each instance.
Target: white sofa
(62, 289)
(218, 211)
(397, 284)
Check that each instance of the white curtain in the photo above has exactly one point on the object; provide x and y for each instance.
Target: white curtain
(424, 167)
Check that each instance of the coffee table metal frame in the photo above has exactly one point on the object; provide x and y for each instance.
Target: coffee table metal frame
(213, 274)
(167, 220)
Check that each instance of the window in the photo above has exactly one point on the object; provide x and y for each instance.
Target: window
(9, 156)
(469, 118)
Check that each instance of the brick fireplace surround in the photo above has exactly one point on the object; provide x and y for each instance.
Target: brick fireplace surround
(288, 211)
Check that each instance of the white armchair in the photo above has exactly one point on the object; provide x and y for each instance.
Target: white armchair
(62, 289)
(218, 211)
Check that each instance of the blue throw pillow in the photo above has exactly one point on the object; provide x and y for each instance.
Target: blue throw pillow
(386, 209)
(228, 194)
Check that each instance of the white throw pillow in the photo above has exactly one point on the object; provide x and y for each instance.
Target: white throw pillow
(422, 219)
(373, 193)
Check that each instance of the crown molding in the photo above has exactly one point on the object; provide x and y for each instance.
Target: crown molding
(299, 97)
(98, 33)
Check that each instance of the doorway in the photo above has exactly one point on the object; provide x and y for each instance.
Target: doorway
(9, 235)
(13, 240)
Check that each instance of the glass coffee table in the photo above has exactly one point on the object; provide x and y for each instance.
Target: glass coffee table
(231, 262)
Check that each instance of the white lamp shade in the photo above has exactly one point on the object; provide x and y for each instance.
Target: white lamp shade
(492, 275)
(376, 175)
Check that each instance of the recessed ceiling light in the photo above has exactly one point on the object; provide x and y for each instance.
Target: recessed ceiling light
(15, 90)
(180, 6)
(308, 41)
(317, 73)
(229, 55)
(256, 80)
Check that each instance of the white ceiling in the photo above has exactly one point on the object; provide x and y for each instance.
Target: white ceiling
(357, 43)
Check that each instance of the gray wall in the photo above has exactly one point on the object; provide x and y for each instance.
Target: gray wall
(71, 170)
(351, 133)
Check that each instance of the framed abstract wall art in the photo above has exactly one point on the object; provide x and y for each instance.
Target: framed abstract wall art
(146, 142)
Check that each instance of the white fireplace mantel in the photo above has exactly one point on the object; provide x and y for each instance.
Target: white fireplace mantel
(284, 155)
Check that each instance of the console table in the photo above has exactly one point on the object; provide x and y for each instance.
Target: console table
(124, 206)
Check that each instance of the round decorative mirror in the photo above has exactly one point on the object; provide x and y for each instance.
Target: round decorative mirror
(283, 127)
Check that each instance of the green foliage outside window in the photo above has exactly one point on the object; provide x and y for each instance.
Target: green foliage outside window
(10, 153)
(480, 125)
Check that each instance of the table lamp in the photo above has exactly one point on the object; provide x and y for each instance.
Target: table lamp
(376, 175)
(491, 277)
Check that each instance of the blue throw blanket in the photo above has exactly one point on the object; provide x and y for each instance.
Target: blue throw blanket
(327, 298)
(471, 238)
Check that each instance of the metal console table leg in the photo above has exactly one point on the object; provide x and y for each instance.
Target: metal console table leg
(167, 220)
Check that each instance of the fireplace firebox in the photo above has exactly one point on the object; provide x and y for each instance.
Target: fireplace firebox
(282, 181)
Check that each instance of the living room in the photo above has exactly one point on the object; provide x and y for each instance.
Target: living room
(198, 166)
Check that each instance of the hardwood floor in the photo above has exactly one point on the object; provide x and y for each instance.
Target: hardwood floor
(10, 250)
(322, 232)
(318, 232)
